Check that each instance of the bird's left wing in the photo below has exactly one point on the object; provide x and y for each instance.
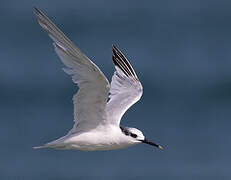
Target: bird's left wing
(125, 90)
(90, 101)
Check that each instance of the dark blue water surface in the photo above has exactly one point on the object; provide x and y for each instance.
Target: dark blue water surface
(181, 51)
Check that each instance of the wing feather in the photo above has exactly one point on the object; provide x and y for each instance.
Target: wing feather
(90, 101)
(126, 88)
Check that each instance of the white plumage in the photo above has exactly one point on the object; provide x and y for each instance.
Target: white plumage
(97, 119)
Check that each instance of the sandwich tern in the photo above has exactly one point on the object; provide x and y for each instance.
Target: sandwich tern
(98, 105)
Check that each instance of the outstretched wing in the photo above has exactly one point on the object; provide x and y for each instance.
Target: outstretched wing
(126, 88)
(90, 101)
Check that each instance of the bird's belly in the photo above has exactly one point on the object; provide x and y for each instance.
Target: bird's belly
(98, 147)
(96, 142)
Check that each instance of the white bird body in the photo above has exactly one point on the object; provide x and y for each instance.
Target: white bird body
(98, 105)
(101, 138)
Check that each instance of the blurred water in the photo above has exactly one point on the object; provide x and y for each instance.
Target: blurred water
(181, 52)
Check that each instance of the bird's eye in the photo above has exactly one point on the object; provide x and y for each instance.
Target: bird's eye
(133, 135)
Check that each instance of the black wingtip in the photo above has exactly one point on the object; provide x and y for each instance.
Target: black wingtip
(123, 62)
(114, 60)
(114, 49)
(36, 10)
(117, 52)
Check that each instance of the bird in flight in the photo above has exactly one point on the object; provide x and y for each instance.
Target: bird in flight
(98, 105)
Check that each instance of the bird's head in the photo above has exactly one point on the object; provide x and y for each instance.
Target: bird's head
(138, 136)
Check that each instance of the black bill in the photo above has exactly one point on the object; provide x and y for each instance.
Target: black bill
(152, 143)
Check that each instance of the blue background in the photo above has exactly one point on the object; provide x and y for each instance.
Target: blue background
(181, 51)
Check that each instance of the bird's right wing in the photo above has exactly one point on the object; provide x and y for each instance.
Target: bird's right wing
(125, 90)
(90, 101)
